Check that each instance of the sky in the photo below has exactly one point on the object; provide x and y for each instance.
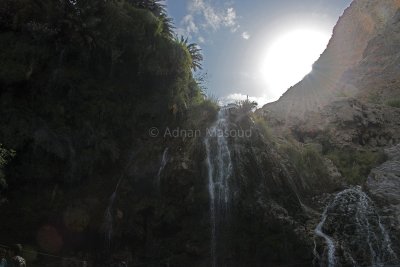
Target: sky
(256, 48)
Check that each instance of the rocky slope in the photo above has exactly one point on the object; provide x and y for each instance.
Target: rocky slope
(383, 185)
(351, 99)
(360, 59)
(377, 75)
(351, 123)
(348, 108)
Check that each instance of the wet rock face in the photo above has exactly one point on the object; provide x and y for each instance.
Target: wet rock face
(393, 153)
(353, 226)
(383, 185)
(267, 222)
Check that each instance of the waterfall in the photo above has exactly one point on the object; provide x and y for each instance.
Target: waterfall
(219, 171)
(162, 165)
(329, 242)
(108, 222)
(358, 237)
(108, 216)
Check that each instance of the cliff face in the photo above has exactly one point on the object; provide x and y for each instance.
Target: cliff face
(377, 75)
(349, 107)
(354, 63)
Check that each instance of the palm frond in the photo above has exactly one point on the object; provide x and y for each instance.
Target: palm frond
(168, 26)
(197, 57)
(159, 10)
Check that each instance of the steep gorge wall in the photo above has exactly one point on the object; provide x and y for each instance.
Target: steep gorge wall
(361, 22)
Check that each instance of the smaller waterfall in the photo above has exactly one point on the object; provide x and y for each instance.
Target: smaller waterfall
(108, 223)
(358, 237)
(219, 171)
(163, 163)
(329, 242)
(108, 217)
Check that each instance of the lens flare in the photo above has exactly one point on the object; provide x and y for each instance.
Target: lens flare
(290, 57)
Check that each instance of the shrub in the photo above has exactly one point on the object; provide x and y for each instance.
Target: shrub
(202, 114)
(246, 106)
(374, 98)
(356, 165)
(394, 103)
(262, 126)
(307, 160)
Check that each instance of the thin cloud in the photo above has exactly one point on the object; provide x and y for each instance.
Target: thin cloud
(190, 25)
(230, 18)
(246, 35)
(202, 15)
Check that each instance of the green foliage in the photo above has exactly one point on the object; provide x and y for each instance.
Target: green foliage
(202, 114)
(159, 10)
(374, 98)
(196, 95)
(246, 106)
(307, 160)
(342, 93)
(81, 83)
(80, 80)
(262, 126)
(356, 165)
(194, 51)
(394, 103)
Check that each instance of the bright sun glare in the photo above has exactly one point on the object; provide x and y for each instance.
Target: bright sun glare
(290, 57)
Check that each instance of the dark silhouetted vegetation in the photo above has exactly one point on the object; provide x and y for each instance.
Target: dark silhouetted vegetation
(5, 157)
(81, 82)
(79, 78)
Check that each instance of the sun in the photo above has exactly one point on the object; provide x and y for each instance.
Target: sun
(290, 57)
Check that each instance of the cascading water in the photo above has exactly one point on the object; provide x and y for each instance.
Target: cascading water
(219, 171)
(329, 242)
(108, 216)
(358, 237)
(163, 163)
